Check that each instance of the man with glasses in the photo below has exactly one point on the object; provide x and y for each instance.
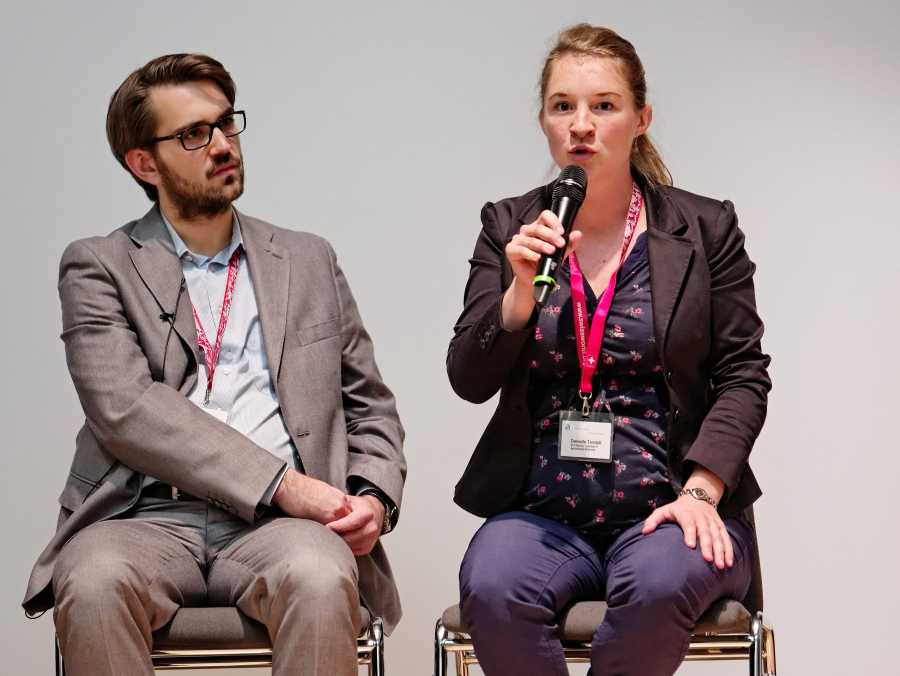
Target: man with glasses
(239, 446)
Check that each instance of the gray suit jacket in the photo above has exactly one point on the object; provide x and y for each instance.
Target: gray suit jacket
(133, 387)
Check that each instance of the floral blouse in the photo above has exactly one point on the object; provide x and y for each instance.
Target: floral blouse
(600, 498)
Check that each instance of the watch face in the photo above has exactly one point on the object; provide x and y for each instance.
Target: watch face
(699, 494)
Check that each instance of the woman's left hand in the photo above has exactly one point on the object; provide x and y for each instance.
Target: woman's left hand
(698, 520)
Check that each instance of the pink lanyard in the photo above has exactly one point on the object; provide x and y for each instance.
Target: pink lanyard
(590, 344)
(212, 352)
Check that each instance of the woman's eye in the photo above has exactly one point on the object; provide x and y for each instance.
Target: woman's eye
(604, 105)
(563, 106)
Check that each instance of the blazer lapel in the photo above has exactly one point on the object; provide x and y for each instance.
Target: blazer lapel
(670, 252)
(160, 269)
(670, 256)
(270, 272)
(528, 214)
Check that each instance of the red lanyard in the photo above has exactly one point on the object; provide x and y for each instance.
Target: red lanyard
(212, 352)
(590, 343)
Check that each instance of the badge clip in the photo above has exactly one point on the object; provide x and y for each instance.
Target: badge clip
(585, 404)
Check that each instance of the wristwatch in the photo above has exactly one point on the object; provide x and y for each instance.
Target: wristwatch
(698, 494)
(390, 511)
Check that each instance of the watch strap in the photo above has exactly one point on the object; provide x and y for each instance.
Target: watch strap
(390, 511)
(698, 494)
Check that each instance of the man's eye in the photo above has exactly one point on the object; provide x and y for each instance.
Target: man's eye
(194, 133)
(227, 123)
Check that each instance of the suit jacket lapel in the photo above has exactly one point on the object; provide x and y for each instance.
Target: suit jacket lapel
(270, 272)
(670, 256)
(159, 267)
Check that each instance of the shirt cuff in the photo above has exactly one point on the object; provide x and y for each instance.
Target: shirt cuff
(266, 499)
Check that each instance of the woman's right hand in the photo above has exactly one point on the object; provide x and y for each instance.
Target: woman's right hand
(524, 251)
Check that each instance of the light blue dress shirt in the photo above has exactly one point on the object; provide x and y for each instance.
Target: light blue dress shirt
(243, 395)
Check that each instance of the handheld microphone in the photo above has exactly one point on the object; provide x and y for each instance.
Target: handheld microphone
(568, 194)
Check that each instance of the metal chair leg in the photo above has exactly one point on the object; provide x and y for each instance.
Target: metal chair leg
(60, 666)
(440, 654)
(769, 650)
(756, 646)
(376, 668)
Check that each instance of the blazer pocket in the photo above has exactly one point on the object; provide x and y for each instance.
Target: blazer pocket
(91, 462)
(76, 491)
(316, 332)
(89, 467)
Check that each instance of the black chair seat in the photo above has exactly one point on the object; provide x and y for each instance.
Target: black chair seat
(579, 623)
(218, 629)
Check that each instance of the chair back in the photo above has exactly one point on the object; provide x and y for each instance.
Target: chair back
(754, 599)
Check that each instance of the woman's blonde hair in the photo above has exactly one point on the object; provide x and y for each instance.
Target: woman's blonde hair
(587, 40)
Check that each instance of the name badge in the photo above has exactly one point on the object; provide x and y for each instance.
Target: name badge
(217, 413)
(586, 438)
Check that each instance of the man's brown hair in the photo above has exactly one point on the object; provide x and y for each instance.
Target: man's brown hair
(130, 120)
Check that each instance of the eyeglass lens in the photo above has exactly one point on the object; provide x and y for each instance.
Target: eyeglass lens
(199, 136)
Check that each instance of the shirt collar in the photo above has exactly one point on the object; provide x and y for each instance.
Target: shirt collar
(222, 258)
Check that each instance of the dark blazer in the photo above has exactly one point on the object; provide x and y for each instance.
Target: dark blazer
(705, 323)
(132, 379)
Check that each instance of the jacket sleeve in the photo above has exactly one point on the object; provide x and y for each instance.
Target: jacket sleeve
(482, 352)
(738, 380)
(374, 433)
(146, 425)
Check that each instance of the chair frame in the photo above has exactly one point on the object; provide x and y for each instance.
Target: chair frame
(369, 648)
(757, 646)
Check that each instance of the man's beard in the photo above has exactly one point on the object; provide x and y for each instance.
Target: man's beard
(192, 200)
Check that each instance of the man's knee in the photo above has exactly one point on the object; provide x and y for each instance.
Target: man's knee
(92, 570)
(318, 567)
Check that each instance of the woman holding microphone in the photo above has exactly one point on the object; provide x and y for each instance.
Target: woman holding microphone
(615, 466)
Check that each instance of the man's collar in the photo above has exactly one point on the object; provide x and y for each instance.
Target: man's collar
(181, 249)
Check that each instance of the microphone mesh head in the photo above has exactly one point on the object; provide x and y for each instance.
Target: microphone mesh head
(572, 183)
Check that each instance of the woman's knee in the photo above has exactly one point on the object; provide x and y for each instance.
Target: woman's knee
(483, 582)
(640, 580)
(521, 568)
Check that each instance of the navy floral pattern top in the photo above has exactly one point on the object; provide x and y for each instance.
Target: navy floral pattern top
(600, 499)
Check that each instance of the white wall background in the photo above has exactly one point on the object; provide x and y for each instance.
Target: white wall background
(790, 110)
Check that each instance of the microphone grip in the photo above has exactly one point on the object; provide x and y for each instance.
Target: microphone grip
(545, 276)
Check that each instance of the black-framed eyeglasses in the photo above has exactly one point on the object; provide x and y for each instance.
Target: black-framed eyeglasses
(200, 135)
